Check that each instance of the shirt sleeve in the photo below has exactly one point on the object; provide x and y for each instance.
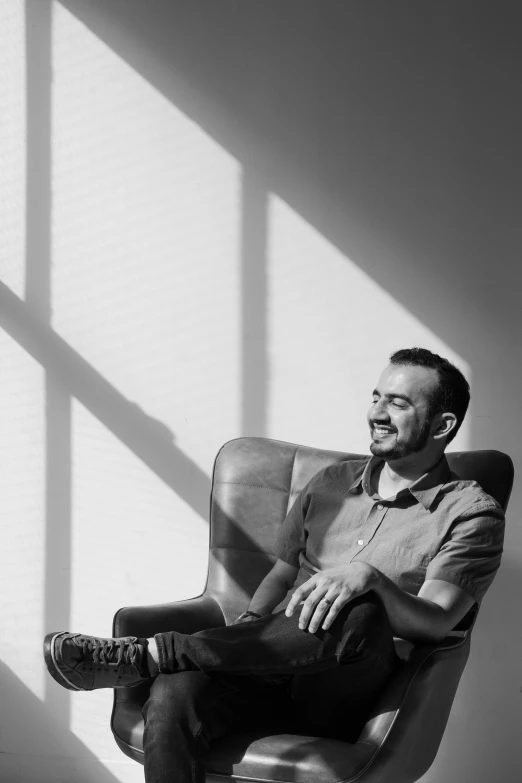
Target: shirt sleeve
(470, 556)
(291, 539)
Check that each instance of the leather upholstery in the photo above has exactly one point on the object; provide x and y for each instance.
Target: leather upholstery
(255, 481)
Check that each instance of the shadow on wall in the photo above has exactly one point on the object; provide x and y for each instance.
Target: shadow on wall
(50, 738)
(151, 441)
(395, 134)
(148, 438)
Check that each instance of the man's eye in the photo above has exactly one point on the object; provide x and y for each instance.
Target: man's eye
(398, 404)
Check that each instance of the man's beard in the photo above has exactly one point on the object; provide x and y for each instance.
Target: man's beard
(401, 450)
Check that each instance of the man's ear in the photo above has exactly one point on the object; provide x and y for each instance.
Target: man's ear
(443, 424)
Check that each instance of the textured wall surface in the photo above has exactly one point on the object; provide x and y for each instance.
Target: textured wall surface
(218, 219)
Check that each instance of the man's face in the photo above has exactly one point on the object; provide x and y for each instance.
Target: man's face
(399, 415)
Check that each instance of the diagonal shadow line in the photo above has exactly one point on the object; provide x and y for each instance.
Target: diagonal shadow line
(149, 439)
(29, 715)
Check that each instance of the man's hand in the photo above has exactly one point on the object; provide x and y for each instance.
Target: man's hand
(328, 591)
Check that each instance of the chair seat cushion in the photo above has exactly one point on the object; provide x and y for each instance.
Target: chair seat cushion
(287, 757)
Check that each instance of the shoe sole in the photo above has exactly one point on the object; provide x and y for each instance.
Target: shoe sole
(52, 665)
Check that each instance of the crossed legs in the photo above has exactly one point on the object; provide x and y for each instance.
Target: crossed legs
(230, 679)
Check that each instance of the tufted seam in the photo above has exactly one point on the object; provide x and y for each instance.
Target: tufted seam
(255, 486)
(260, 552)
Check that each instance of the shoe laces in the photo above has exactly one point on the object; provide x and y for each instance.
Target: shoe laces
(126, 651)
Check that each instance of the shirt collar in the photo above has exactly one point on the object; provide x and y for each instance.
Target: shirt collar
(427, 487)
(363, 480)
(424, 490)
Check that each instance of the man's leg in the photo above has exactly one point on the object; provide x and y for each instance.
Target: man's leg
(336, 702)
(185, 713)
(274, 645)
(335, 677)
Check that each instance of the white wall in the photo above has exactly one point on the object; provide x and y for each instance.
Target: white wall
(217, 220)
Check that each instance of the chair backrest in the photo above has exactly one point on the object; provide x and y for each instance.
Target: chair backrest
(255, 482)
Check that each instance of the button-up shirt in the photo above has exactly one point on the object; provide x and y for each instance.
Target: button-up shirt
(441, 527)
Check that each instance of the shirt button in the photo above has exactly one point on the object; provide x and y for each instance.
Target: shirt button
(380, 507)
(360, 542)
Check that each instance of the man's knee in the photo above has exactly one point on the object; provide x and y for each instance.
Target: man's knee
(364, 623)
(367, 608)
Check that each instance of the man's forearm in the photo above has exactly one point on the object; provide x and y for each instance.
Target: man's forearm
(411, 617)
(270, 592)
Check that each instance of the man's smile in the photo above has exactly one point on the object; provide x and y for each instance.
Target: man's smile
(379, 431)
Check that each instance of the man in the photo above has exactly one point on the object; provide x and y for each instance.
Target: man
(392, 545)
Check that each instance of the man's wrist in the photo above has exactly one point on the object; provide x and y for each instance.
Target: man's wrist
(249, 613)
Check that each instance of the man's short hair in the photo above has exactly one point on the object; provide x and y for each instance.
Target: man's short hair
(451, 395)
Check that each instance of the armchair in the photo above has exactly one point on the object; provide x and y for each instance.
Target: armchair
(254, 483)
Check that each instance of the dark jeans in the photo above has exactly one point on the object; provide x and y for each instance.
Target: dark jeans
(263, 673)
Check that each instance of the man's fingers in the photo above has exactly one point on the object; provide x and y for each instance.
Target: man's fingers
(299, 594)
(309, 607)
(334, 610)
(323, 607)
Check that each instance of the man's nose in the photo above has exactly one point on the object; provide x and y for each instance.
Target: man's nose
(379, 412)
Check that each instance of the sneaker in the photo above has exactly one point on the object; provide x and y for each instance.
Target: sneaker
(83, 663)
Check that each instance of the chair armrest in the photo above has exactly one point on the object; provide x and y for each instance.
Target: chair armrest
(189, 616)
(407, 723)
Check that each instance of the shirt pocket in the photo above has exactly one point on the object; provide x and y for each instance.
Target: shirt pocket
(405, 566)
